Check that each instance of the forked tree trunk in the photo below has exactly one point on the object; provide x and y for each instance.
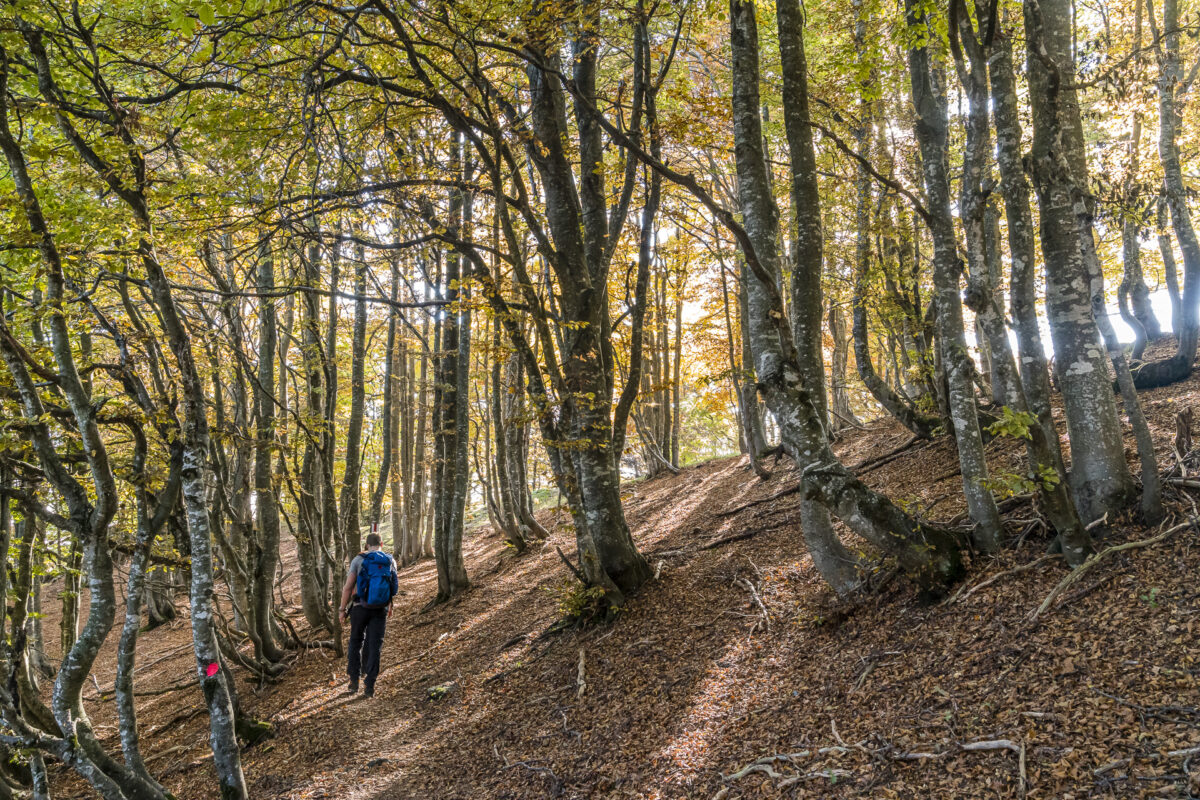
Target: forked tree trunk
(929, 554)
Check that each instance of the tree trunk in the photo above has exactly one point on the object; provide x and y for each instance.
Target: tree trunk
(1099, 476)
(1042, 445)
(892, 402)
(265, 554)
(450, 402)
(929, 554)
(389, 409)
(830, 556)
(310, 537)
(351, 499)
(1170, 270)
(1170, 114)
(930, 106)
(1133, 294)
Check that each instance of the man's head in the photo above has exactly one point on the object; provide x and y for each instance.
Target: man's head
(374, 540)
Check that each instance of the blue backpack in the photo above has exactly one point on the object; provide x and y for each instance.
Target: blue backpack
(377, 581)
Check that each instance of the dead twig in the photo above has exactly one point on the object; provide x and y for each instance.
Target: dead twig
(1074, 576)
(570, 566)
(737, 537)
(781, 493)
(964, 592)
(555, 783)
(765, 622)
(580, 682)
(875, 462)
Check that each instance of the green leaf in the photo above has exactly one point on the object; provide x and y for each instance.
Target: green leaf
(206, 14)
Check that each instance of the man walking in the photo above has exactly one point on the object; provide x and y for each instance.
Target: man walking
(372, 583)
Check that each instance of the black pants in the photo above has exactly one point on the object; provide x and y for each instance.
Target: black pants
(366, 640)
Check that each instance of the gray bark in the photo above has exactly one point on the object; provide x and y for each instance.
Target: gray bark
(931, 111)
(1099, 476)
(929, 554)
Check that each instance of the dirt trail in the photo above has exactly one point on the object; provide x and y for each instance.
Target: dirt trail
(689, 684)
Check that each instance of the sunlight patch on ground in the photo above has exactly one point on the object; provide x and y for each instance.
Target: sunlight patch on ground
(729, 691)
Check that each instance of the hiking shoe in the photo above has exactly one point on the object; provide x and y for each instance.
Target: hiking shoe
(369, 692)
(352, 688)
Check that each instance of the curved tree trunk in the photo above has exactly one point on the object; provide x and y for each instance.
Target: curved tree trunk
(929, 554)
(1170, 114)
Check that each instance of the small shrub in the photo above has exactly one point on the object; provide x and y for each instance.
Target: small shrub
(579, 603)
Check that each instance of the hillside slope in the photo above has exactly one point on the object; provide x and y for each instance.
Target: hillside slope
(691, 684)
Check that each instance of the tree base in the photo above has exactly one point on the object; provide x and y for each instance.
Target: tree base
(253, 731)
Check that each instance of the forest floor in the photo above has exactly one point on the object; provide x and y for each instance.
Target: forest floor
(691, 684)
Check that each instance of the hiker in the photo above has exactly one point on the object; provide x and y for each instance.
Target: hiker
(373, 582)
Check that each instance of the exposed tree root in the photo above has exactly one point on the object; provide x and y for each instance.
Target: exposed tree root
(1077, 573)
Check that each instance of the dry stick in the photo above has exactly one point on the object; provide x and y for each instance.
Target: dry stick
(1189, 483)
(176, 749)
(815, 776)
(1074, 575)
(175, 687)
(763, 765)
(964, 592)
(878, 461)
(766, 619)
(580, 683)
(737, 537)
(1007, 504)
(570, 566)
(781, 493)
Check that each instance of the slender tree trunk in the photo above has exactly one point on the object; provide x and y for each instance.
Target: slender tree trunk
(1099, 476)
(314, 589)
(450, 403)
(333, 544)
(830, 556)
(351, 499)
(1170, 114)
(1170, 270)
(265, 555)
(892, 402)
(1133, 294)
(389, 409)
(929, 554)
(930, 106)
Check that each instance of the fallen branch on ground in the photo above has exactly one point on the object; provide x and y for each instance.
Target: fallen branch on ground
(781, 493)
(555, 783)
(964, 592)
(737, 537)
(108, 694)
(1074, 576)
(766, 618)
(1005, 505)
(878, 461)
(765, 764)
(580, 683)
